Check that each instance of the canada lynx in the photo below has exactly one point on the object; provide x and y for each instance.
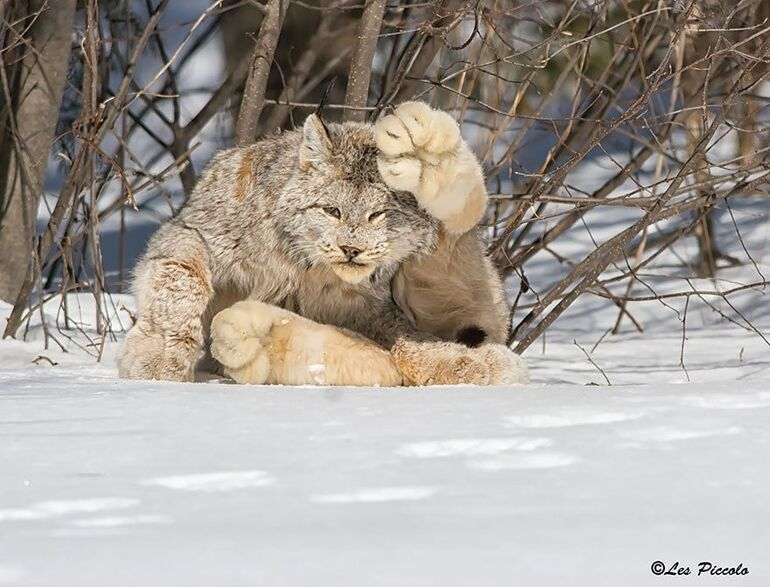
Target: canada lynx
(344, 254)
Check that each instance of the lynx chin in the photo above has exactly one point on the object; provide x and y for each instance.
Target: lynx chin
(339, 254)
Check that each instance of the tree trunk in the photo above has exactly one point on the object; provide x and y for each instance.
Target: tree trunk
(36, 76)
(256, 83)
(361, 67)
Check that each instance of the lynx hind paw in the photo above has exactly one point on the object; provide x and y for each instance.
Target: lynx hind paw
(505, 366)
(237, 342)
(444, 363)
(439, 363)
(463, 370)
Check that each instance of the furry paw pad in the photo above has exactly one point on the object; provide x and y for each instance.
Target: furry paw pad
(402, 173)
(464, 370)
(505, 366)
(231, 342)
(414, 140)
(421, 152)
(415, 126)
(446, 363)
(238, 343)
(148, 355)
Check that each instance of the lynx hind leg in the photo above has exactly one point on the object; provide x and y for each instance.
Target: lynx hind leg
(167, 341)
(422, 152)
(437, 363)
(260, 343)
(446, 363)
(455, 292)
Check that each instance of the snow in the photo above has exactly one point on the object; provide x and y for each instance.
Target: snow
(150, 483)
(105, 481)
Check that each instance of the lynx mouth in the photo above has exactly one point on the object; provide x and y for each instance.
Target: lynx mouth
(353, 271)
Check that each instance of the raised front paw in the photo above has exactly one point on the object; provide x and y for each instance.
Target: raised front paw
(413, 137)
(422, 152)
(416, 129)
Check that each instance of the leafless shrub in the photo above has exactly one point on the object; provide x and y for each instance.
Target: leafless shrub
(655, 91)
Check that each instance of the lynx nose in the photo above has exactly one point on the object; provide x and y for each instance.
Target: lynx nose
(350, 252)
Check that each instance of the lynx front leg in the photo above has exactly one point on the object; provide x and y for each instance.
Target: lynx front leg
(167, 340)
(447, 363)
(259, 343)
(422, 152)
(455, 292)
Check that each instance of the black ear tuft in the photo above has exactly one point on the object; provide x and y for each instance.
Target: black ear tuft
(325, 98)
(472, 336)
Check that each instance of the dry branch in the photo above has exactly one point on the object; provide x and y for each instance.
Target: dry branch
(542, 95)
(256, 83)
(361, 66)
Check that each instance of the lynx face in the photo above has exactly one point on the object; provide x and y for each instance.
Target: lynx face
(348, 218)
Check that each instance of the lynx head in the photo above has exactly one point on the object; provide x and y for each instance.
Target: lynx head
(339, 212)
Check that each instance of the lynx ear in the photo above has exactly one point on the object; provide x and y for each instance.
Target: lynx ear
(316, 147)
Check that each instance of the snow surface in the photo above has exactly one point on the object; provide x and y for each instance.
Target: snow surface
(561, 482)
(111, 482)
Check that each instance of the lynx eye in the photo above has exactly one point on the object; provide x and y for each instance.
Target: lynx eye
(376, 215)
(335, 212)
